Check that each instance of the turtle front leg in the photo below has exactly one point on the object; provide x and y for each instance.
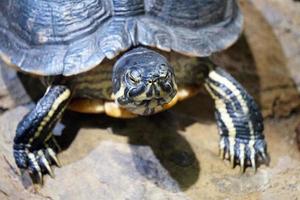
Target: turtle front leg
(239, 119)
(34, 146)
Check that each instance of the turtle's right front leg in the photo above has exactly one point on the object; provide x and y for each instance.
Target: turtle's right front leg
(34, 145)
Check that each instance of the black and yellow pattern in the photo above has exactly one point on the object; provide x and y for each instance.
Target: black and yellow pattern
(34, 145)
(144, 82)
(239, 119)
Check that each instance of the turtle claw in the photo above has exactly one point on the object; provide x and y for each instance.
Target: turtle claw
(44, 163)
(222, 151)
(253, 163)
(52, 156)
(38, 166)
(242, 166)
(37, 177)
(34, 169)
(48, 169)
(242, 158)
(51, 148)
(264, 157)
(243, 152)
(38, 162)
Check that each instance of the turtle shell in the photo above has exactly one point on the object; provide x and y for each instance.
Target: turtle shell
(53, 37)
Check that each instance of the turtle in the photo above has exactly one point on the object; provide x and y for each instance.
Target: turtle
(126, 58)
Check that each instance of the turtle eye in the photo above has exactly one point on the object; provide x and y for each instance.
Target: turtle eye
(134, 80)
(134, 77)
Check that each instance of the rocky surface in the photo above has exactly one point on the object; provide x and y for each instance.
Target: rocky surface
(284, 18)
(173, 155)
(12, 92)
(263, 62)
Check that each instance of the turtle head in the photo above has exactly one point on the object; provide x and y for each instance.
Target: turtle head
(143, 81)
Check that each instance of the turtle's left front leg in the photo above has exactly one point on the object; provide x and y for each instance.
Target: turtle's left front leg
(34, 145)
(239, 119)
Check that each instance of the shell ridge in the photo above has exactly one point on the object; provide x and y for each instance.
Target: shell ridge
(156, 27)
(201, 42)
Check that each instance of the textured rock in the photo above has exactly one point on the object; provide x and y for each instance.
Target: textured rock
(284, 18)
(261, 62)
(285, 21)
(95, 168)
(12, 92)
(172, 155)
(168, 156)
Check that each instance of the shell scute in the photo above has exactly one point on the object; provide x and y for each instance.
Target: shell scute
(50, 37)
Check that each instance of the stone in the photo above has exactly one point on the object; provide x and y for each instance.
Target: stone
(131, 171)
(259, 60)
(284, 19)
(105, 158)
(12, 92)
(172, 155)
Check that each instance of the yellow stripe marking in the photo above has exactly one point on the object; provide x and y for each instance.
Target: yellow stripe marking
(216, 77)
(62, 97)
(221, 107)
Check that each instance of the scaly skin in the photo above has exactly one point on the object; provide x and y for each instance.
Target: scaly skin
(34, 145)
(238, 117)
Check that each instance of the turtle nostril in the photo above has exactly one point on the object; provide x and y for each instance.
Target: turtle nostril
(153, 80)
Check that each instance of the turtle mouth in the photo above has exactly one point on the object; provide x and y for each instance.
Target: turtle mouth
(159, 101)
(146, 98)
(148, 106)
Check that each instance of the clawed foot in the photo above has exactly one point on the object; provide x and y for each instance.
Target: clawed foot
(244, 152)
(38, 161)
